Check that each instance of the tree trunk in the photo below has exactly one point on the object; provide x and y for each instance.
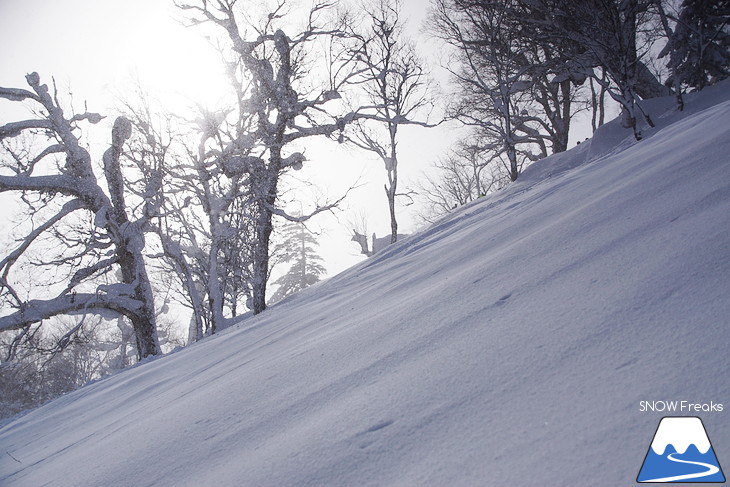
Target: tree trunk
(215, 296)
(673, 61)
(261, 256)
(144, 322)
(129, 241)
(562, 127)
(265, 188)
(512, 155)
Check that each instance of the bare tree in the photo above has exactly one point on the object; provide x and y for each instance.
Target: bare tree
(462, 176)
(59, 181)
(396, 83)
(613, 47)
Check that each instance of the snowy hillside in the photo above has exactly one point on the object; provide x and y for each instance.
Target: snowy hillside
(509, 344)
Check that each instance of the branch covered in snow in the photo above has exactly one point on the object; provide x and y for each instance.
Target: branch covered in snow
(16, 94)
(112, 241)
(100, 303)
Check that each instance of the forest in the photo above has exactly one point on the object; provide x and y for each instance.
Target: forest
(191, 210)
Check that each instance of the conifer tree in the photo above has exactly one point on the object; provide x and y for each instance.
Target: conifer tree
(299, 249)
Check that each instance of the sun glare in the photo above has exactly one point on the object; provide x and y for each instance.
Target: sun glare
(104, 51)
(176, 64)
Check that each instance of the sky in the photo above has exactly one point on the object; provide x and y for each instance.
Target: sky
(99, 51)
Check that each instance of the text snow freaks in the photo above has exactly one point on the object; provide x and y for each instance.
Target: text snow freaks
(679, 407)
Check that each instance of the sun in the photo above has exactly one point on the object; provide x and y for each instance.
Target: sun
(103, 51)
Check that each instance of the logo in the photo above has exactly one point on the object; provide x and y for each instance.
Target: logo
(681, 452)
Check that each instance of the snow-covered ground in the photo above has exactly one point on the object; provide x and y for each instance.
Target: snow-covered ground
(509, 344)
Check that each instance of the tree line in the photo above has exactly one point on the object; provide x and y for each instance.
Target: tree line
(523, 69)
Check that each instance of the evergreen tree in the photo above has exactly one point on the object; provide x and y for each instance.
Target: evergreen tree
(299, 248)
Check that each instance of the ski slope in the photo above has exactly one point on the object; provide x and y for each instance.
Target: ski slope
(508, 344)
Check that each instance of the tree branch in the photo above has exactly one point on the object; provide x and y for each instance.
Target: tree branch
(37, 310)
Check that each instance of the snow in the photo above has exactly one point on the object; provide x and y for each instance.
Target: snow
(508, 344)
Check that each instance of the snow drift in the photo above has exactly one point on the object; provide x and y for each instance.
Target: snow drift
(508, 344)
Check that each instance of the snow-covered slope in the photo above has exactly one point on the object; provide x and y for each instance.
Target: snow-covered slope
(509, 344)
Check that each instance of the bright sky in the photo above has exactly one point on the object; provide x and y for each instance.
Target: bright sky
(97, 49)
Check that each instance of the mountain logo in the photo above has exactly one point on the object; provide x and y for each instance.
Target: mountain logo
(681, 452)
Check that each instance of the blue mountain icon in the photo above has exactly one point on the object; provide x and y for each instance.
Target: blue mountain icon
(681, 452)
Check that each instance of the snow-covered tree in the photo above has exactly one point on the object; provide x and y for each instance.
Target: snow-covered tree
(701, 41)
(299, 250)
(285, 102)
(203, 215)
(614, 47)
(493, 76)
(89, 228)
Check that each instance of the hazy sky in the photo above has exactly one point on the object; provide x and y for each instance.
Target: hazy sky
(95, 49)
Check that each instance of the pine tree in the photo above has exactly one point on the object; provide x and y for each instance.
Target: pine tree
(299, 248)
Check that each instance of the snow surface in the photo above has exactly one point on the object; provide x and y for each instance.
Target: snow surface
(508, 344)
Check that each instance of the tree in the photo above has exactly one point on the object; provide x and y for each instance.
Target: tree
(672, 49)
(493, 75)
(612, 47)
(58, 182)
(203, 219)
(701, 41)
(547, 116)
(299, 249)
(284, 107)
(396, 83)
(462, 176)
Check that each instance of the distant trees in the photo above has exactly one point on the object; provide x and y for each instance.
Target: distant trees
(460, 177)
(46, 365)
(49, 361)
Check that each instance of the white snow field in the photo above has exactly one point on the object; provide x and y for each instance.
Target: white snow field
(510, 344)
